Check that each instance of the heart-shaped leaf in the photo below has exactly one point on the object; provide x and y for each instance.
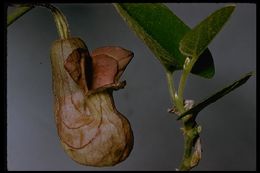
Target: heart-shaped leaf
(162, 31)
(196, 109)
(196, 41)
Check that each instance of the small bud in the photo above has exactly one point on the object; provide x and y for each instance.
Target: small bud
(188, 104)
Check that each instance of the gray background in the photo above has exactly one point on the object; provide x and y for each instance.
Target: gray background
(229, 125)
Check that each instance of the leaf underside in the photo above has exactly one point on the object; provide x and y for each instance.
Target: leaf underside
(162, 30)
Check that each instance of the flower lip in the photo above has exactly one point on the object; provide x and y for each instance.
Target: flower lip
(102, 68)
(117, 59)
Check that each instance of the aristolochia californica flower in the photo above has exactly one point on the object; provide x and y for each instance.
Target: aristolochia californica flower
(91, 130)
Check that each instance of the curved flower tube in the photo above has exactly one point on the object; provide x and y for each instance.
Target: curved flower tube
(91, 130)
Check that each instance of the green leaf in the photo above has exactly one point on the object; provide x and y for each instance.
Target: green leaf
(196, 109)
(197, 40)
(17, 13)
(162, 31)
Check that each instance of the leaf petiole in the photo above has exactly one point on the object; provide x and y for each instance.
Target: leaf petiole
(172, 91)
(187, 66)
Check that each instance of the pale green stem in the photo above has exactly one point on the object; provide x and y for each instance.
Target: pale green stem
(60, 20)
(169, 77)
(172, 91)
(191, 134)
(186, 70)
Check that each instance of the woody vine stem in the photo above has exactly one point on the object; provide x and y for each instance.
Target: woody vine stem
(191, 130)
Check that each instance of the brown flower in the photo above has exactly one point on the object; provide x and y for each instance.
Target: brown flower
(91, 130)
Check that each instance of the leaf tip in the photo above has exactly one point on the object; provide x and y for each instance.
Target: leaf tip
(230, 8)
(251, 73)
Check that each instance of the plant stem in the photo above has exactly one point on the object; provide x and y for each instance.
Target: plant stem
(169, 77)
(186, 70)
(191, 130)
(17, 13)
(191, 157)
(60, 20)
(172, 91)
